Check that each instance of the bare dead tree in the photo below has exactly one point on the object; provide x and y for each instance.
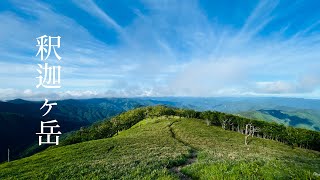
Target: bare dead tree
(224, 123)
(254, 130)
(232, 126)
(249, 131)
(208, 122)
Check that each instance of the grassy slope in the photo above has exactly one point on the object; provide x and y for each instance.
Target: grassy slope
(146, 150)
(223, 154)
(142, 151)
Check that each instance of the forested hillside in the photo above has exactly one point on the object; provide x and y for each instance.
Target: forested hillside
(20, 120)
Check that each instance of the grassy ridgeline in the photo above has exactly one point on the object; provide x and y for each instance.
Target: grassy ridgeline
(295, 137)
(148, 142)
(148, 150)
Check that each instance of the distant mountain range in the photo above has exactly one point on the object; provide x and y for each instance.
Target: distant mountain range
(240, 104)
(297, 112)
(20, 119)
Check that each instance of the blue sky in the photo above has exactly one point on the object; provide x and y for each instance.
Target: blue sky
(131, 48)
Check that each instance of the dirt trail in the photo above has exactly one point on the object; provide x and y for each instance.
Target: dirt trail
(191, 158)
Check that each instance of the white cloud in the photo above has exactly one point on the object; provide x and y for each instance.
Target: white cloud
(173, 50)
(305, 84)
(90, 7)
(277, 87)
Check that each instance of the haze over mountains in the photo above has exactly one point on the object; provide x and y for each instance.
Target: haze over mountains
(20, 119)
(295, 112)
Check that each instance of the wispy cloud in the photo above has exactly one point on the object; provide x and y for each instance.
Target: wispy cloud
(171, 48)
(90, 7)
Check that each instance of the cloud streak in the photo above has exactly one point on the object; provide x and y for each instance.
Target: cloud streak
(169, 49)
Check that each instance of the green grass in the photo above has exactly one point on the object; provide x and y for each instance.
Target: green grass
(144, 151)
(223, 155)
(148, 150)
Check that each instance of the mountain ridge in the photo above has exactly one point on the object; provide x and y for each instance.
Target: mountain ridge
(144, 147)
(23, 117)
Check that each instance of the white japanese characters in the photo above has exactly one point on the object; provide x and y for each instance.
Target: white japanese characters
(45, 45)
(49, 77)
(48, 134)
(48, 105)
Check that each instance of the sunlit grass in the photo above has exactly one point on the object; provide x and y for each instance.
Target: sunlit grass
(147, 151)
(223, 155)
(144, 151)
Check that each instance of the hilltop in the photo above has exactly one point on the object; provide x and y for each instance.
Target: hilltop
(168, 143)
(20, 119)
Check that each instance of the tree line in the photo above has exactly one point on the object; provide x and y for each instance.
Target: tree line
(296, 137)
